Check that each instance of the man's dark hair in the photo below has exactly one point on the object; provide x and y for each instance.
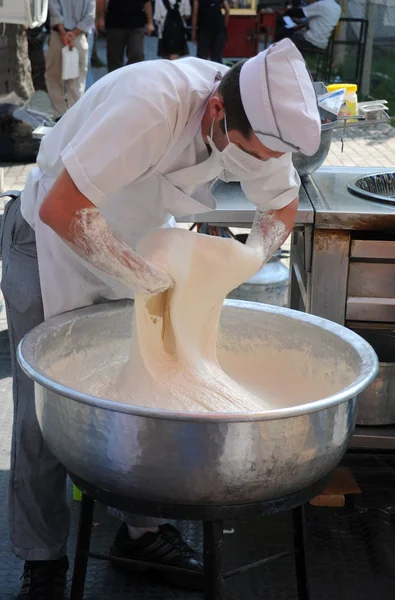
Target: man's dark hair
(229, 88)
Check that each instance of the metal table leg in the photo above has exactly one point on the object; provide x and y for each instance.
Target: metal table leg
(213, 542)
(302, 582)
(82, 548)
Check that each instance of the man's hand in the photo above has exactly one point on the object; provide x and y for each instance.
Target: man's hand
(149, 28)
(100, 24)
(271, 229)
(194, 36)
(68, 39)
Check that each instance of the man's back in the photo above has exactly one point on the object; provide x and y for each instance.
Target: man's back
(323, 17)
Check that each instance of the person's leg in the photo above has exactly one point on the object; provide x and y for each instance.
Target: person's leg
(38, 511)
(35, 40)
(53, 73)
(135, 46)
(91, 41)
(217, 46)
(302, 44)
(203, 45)
(76, 87)
(116, 44)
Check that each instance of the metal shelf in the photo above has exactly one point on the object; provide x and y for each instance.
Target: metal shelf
(373, 438)
(362, 122)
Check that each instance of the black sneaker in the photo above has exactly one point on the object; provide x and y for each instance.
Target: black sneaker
(44, 580)
(165, 548)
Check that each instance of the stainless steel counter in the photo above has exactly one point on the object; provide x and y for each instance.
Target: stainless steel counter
(373, 438)
(233, 208)
(343, 268)
(337, 208)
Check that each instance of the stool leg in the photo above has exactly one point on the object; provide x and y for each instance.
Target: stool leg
(298, 520)
(83, 543)
(213, 542)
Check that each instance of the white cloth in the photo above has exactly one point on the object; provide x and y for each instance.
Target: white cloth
(126, 144)
(280, 101)
(161, 12)
(323, 17)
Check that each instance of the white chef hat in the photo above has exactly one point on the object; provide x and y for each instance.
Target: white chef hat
(282, 108)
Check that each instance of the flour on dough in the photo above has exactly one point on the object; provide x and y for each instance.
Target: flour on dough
(173, 363)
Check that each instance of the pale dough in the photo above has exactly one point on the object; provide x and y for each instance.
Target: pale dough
(173, 362)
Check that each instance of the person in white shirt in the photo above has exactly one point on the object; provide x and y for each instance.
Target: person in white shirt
(322, 18)
(141, 147)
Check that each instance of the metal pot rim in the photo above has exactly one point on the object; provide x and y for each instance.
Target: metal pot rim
(369, 368)
(356, 190)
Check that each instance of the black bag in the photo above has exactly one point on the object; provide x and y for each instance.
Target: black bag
(173, 34)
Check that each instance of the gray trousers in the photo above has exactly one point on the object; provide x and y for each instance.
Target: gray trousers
(120, 41)
(38, 510)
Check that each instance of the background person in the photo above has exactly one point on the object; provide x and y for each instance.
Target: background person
(170, 18)
(209, 28)
(313, 30)
(124, 23)
(71, 21)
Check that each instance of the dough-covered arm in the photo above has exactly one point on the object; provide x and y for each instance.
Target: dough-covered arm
(104, 157)
(77, 220)
(271, 229)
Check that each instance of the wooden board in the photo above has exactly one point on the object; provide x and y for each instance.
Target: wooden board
(342, 483)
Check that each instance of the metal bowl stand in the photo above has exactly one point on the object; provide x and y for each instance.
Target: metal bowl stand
(213, 518)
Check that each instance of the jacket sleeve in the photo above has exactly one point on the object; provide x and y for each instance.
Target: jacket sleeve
(121, 140)
(88, 19)
(277, 187)
(55, 12)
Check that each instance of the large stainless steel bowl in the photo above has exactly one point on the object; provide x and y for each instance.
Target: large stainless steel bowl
(306, 165)
(202, 458)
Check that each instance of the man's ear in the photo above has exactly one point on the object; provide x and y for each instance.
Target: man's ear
(217, 111)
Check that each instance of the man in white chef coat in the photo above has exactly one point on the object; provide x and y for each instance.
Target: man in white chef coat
(141, 147)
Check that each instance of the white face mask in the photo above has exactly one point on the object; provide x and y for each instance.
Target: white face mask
(235, 160)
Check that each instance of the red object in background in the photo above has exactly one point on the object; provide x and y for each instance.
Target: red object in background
(267, 26)
(242, 37)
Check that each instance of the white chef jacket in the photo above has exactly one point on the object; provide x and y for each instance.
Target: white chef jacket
(128, 145)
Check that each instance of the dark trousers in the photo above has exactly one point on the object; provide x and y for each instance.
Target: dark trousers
(302, 44)
(120, 41)
(211, 45)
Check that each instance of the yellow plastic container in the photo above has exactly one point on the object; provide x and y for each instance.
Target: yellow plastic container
(77, 494)
(350, 106)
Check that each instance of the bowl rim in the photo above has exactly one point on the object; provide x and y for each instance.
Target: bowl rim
(369, 367)
(357, 191)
